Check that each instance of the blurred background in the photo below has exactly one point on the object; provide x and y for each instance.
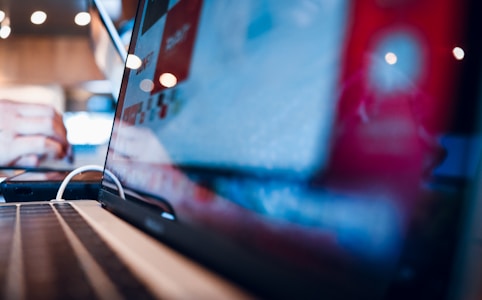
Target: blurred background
(47, 55)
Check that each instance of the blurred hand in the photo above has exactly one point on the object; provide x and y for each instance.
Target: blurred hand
(137, 144)
(30, 133)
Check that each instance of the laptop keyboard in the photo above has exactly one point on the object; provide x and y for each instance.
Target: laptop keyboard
(7, 226)
(50, 265)
(38, 259)
(124, 280)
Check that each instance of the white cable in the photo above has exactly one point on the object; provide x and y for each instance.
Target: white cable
(60, 191)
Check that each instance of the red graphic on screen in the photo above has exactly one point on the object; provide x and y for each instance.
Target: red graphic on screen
(178, 41)
(397, 87)
(131, 112)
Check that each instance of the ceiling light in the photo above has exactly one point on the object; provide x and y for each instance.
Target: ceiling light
(168, 80)
(82, 18)
(458, 53)
(5, 32)
(38, 17)
(2, 15)
(133, 62)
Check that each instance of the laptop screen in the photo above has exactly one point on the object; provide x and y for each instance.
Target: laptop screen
(321, 138)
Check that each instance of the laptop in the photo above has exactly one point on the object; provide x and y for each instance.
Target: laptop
(276, 149)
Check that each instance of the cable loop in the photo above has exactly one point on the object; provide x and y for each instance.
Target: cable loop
(61, 190)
